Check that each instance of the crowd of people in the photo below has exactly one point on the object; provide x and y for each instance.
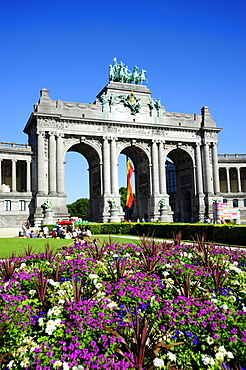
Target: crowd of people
(58, 232)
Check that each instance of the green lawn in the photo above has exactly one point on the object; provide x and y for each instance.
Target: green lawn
(18, 245)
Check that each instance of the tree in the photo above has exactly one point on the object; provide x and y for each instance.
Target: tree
(79, 208)
(123, 193)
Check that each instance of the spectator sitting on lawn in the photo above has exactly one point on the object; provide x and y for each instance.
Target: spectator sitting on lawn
(32, 235)
(87, 233)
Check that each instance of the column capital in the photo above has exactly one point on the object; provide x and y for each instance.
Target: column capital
(41, 133)
(52, 133)
(60, 135)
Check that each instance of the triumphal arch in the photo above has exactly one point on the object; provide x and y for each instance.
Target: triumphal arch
(124, 119)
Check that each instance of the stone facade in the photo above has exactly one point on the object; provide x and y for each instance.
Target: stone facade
(123, 119)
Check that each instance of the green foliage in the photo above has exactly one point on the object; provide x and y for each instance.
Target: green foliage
(123, 194)
(226, 234)
(79, 208)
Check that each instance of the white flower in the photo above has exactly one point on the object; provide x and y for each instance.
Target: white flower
(222, 349)
(224, 306)
(22, 350)
(23, 265)
(65, 366)
(112, 304)
(214, 300)
(98, 285)
(54, 311)
(219, 356)
(229, 354)
(79, 367)
(115, 255)
(10, 364)
(24, 362)
(61, 301)
(165, 273)
(52, 325)
(210, 340)
(169, 282)
(171, 356)
(93, 276)
(41, 321)
(57, 322)
(207, 360)
(158, 362)
(53, 283)
(32, 292)
(57, 364)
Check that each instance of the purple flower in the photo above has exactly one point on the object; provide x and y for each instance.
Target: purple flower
(232, 339)
(188, 334)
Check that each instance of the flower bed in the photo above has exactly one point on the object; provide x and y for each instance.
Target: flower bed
(163, 306)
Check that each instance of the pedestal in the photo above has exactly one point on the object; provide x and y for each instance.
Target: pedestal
(48, 217)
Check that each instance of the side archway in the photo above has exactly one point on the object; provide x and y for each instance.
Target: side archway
(180, 184)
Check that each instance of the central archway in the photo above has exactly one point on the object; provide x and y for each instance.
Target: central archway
(95, 191)
(140, 162)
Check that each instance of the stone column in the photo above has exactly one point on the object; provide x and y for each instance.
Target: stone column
(155, 169)
(40, 164)
(114, 168)
(162, 170)
(228, 183)
(14, 175)
(215, 169)
(199, 183)
(28, 175)
(207, 170)
(52, 163)
(239, 180)
(106, 167)
(59, 165)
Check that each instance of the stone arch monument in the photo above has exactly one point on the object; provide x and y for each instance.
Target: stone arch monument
(125, 119)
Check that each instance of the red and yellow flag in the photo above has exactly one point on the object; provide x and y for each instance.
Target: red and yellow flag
(129, 194)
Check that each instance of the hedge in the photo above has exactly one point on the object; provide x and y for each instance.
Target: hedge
(225, 234)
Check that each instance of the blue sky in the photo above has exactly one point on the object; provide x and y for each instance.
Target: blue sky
(194, 53)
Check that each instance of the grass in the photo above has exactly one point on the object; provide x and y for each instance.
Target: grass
(18, 245)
